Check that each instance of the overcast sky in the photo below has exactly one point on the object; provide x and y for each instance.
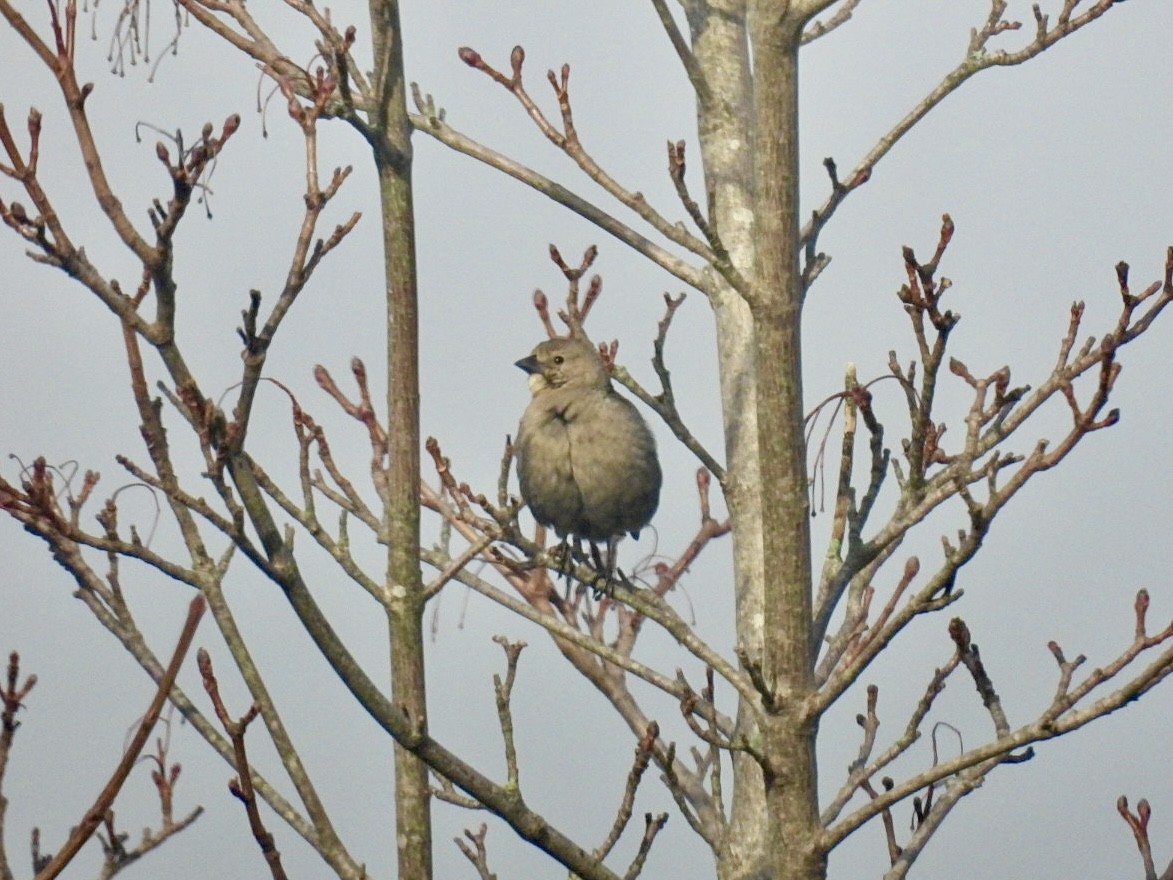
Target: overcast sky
(1052, 172)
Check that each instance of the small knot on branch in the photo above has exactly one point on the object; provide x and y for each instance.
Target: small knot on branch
(959, 633)
(676, 164)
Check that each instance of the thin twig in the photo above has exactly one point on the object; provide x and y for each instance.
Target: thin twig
(97, 813)
(478, 856)
(644, 750)
(242, 786)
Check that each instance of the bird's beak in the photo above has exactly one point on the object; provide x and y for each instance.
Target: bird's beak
(529, 364)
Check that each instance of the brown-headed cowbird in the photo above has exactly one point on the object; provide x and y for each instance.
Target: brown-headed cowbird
(585, 457)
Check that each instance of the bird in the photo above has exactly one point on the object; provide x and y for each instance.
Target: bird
(586, 459)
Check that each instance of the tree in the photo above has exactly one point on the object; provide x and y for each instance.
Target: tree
(804, 638)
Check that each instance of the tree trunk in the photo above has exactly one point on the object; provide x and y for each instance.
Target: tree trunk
(776, 303)
(748, 123)
(401, 513)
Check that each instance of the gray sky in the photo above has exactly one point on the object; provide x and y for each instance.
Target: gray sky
(1052, 172)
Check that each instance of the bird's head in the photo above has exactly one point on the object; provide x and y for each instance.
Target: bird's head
(565, 362)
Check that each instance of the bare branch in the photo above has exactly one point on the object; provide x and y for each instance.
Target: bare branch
(644, 751)
(842, 15)
(1062, 716)
(503, 691)
(1138, 824)
(664, 403)
(115, 854)
(13, 695)
(242, 787)
(692, 67)
(978, 57)
(478, 856)
(432, 123)
(568, 141)
(652, 826)
(97, 813)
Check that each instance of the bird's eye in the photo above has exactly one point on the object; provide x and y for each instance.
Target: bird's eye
(558, 359)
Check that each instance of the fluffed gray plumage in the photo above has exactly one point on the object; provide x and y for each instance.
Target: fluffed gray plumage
(586, 459)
